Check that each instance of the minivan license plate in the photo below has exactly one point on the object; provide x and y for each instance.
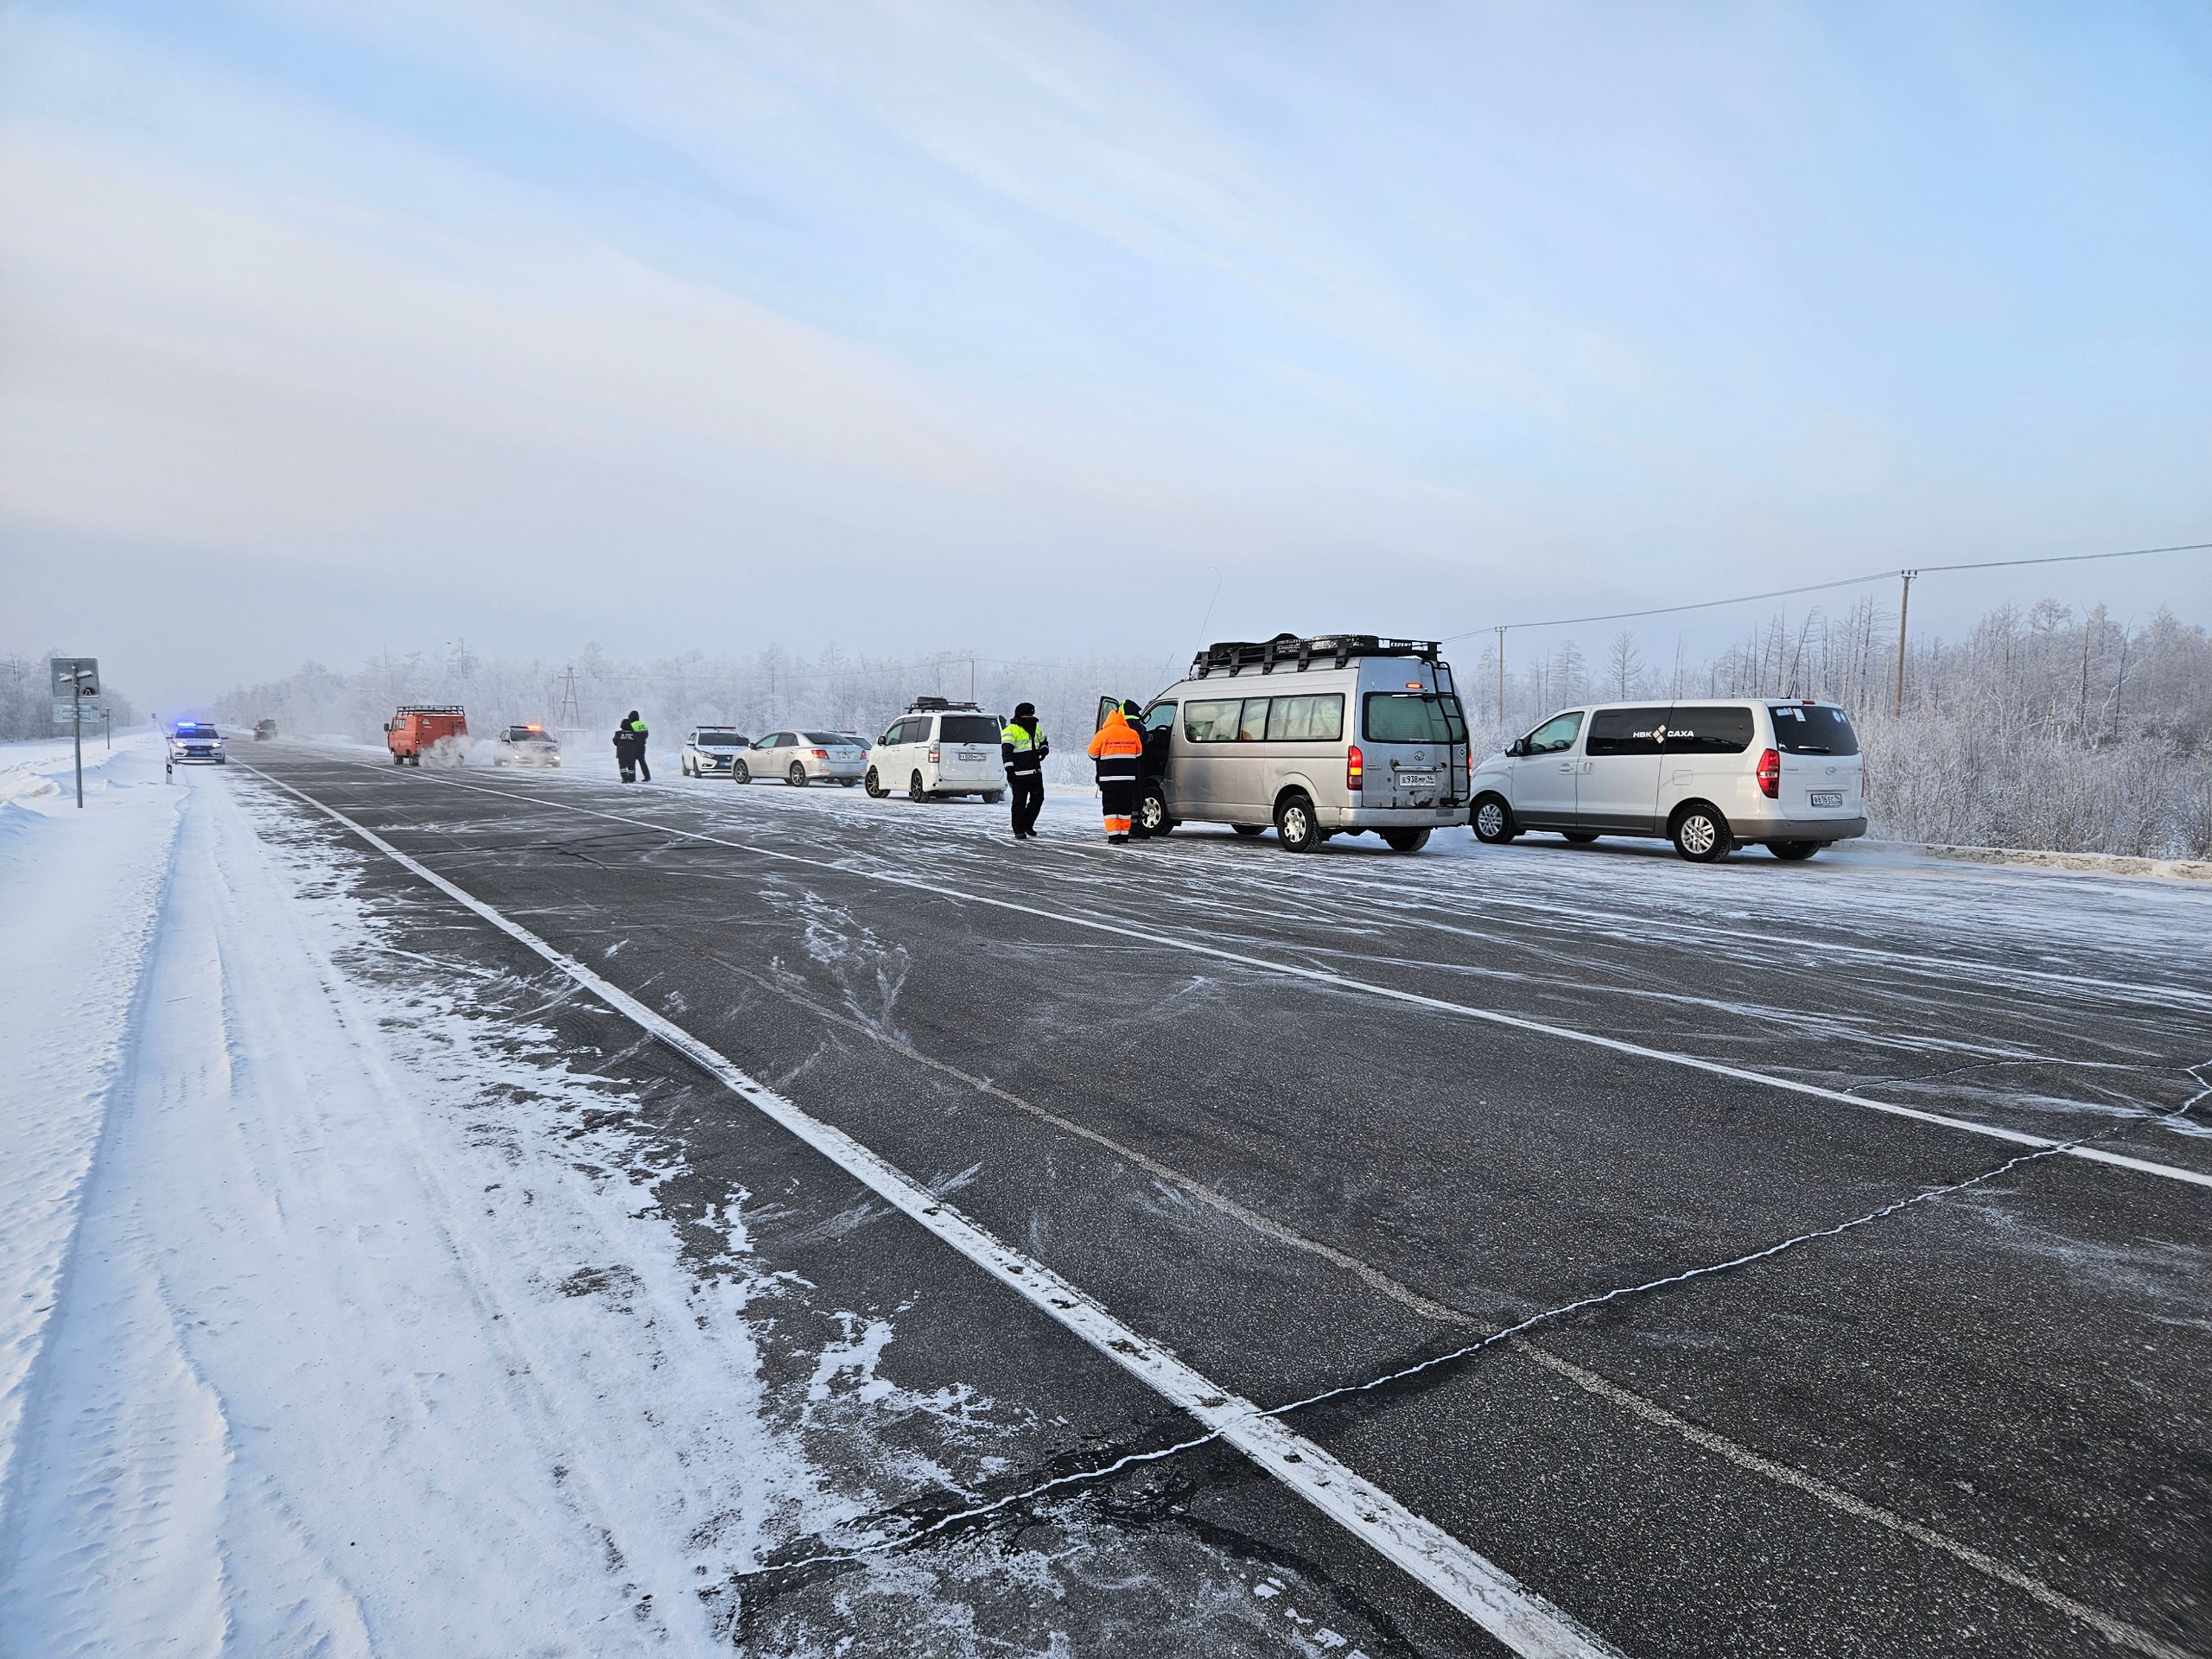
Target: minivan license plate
(971, 754)
(1827, 797)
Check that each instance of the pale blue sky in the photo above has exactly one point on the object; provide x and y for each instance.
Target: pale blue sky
(680, 323)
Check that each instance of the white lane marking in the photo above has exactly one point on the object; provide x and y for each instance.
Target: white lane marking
(1647, 1410)
(1428, 884)
(1524, 1621)
(1391, 993)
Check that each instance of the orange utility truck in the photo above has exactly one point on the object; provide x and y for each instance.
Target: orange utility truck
(419, 727)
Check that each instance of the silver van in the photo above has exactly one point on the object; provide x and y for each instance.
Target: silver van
(1337, 735)
(1708, 776)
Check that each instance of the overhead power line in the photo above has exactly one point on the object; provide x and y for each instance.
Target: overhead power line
(1823, 587)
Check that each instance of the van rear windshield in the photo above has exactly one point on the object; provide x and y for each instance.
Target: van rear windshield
(1415, 717)
(969, 728)
(1816, 730)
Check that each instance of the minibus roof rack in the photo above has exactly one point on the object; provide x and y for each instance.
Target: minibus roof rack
(935, 705)
(1287, 649)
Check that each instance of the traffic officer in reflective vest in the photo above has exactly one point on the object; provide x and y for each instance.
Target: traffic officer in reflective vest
(1023, 747)
(1116, 747)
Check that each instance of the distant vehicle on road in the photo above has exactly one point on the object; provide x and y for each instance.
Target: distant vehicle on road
(196, 739)
(1332, 735)
(433, 728)
(263, 730)
(800, 758)
(938, 748)
(526, 746)
(1709, 776)
(710, 751)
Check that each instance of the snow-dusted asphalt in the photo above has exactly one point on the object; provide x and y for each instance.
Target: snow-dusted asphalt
(1309, 1121)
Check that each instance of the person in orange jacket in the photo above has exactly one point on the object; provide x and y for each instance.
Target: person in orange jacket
(1117, 747)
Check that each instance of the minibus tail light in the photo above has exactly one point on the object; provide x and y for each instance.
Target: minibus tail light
(1355, 768)
(1771, 775)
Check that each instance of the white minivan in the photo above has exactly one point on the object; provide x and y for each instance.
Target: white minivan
(938, 749)
(1708, 776)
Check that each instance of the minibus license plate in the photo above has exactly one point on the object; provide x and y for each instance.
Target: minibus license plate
(1827, 797)
(1417, 781)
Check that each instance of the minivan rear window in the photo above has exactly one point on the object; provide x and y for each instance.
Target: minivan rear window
(1818, 729)
(1692, 730)
(1628, 731)
(969, 728)
(1415, 717)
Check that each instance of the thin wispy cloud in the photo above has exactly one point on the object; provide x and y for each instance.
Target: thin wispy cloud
(944, 302)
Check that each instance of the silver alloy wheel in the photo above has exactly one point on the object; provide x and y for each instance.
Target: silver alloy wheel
(914, 790)
(874, 784)
(797, 776)
(1700, 837)
(1152, 813)
(1294, 826)
(740, 773)
(1490, 819)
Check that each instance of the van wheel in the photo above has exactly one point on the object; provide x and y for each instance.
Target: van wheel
(797, 776)
(1580, 837)
(1405, 841)
(874, 784)
(1493, 820)
(1296, 828)
(1701, 834)
(1152, 812)
(914, 790)
(1250, 828)
(1792, 851)
(993, 797)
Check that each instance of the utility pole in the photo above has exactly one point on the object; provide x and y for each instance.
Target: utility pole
(1905, 608)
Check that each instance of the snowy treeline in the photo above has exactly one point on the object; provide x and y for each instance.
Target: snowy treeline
(27, 698)
(768, 690)
(2044, 728)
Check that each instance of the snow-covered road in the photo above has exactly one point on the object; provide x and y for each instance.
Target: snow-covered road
(377, 1288)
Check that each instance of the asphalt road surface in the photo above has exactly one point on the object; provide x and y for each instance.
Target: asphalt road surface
(1308, 1121)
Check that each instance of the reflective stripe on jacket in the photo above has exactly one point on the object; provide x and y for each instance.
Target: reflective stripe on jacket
(1116, 747)
(1023, 749)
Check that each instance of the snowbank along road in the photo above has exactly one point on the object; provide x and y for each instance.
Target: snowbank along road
(525, 1213)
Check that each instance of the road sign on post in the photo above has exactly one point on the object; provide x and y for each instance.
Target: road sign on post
(76, 684)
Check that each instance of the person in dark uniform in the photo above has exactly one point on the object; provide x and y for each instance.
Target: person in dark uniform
(630, 748)
(1023, 747)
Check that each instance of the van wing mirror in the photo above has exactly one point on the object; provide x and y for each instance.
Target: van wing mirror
(1516, 748)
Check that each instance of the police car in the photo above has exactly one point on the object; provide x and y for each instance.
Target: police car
(196, 739)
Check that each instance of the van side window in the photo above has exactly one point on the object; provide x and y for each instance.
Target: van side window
(1705, 731)
(1212, 722)
(1253, 728)
(1556, 734)
(1311, 719)
(1629, 731)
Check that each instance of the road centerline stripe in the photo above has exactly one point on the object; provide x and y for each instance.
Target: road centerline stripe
(1485, 1593)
